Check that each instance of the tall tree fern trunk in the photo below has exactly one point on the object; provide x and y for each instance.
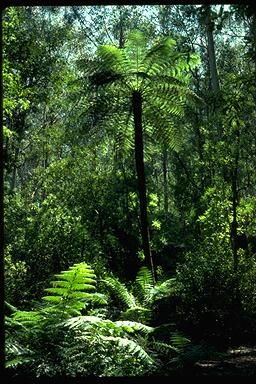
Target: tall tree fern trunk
(139, 161)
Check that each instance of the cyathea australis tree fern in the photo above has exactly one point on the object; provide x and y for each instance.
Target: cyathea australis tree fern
(149, 88)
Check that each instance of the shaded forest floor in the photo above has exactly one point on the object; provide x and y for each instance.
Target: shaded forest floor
(240, 361)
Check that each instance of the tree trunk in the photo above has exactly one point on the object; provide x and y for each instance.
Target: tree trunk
(165, 181)
(15, 169)
(139, 162)
(121, 28)
(211, 51)
(214, 80)
(234, 225)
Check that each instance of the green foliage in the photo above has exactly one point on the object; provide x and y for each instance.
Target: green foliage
(205, 294)
(121, 291)
(158, 72)
(71, 190)
(69, 291)
(246, 278)
(115, 332)
(14, 277)
(45, 341)
(15, 94)
(215, 220)
(144, 285)
(138, 302)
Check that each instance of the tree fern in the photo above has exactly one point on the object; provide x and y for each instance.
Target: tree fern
(139, 76)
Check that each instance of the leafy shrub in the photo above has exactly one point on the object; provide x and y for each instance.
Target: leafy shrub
(206, 300)
(14, 278)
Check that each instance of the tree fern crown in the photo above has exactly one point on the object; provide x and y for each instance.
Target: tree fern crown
(159, 73)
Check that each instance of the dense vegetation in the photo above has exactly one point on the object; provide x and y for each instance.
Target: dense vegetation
(129, 187)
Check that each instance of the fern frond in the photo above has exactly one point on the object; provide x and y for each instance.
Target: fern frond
(11, 323)
(184, 61)
(180, 341)
(141, 314)
(144, 285)
(28, 318)
(120, 290)
(159, 56)
(144, 278)
(167, 133)
(11, 307)
(132, 347)
(16, 354)
(123, 133)
(164, 289)
(98, 298)
(79, 277)
(58, 291)
(104, 78)
(54, 299)
(111, 58)
(68, 293)
(135, 50)
(82, 321)
(162, 347)
(132, 326)
(13, 363)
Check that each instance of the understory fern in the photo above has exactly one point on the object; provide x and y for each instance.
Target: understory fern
(119, 333)
(43, 341)
(137, 302)
(72, 291)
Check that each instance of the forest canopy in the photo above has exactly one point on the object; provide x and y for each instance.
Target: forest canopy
(129, 152)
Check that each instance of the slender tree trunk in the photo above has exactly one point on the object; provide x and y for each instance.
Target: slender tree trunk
(18, 127)
(211, 51)
(121, 29)
(139, 162)
(15, 169)
(165, 176)
(234, 225)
